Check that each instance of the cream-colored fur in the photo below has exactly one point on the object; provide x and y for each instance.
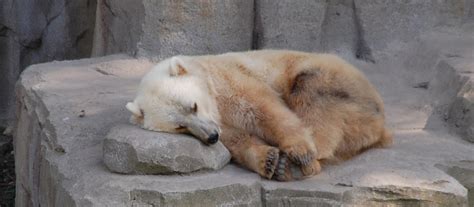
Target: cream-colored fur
(280, 113)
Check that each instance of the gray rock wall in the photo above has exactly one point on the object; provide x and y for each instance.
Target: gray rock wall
(387, 23)
(40, 31)
(59, 29)
(290, 24)
(357, 28)
(165, 28)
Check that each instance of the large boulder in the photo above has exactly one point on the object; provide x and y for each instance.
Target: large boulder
(454, 86)
(131, 150)
(461, 112)
(452, 82)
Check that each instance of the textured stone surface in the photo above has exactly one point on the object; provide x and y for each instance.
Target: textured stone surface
(35, 31)
(452, 83)
(289, 24)
(339, 28)
(461, 112)
(387, 24)
(166, 28)
(131, 150)
(3, 146)
(455, 77)
(463, 172)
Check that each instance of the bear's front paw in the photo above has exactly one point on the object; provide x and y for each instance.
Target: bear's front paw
(287, 170)
(269, 164)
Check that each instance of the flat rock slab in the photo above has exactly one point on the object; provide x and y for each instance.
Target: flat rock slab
(131, 150)
(66, 109)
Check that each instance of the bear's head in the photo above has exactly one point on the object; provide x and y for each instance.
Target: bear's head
(175, 97)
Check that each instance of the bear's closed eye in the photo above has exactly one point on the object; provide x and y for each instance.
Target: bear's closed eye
(180, 127)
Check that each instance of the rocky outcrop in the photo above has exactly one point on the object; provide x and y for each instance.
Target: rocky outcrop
(34, 32)
(131, 150)
(454, 80)
(451, 85)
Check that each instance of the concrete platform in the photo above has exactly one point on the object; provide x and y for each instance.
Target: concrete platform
(66, 109)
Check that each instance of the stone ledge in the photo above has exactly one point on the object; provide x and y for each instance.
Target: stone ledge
(67, 108)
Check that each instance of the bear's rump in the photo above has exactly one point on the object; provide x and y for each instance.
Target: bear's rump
(342, 122)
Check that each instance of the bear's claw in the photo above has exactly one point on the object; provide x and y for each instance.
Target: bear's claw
(271, 162)
(287, 170)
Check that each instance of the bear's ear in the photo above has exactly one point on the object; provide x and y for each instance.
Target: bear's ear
(177, 67)
(132, 107)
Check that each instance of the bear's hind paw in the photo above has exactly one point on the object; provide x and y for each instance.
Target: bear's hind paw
(300, 154)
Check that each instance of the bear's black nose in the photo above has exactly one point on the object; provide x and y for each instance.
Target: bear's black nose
(213, 138)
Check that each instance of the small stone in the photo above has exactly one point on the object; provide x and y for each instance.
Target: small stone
(3, 147)
(422, 85)
(8, 131)
(82, 114)
(131, 150)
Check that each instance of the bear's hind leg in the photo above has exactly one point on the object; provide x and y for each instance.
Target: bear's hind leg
(270, 119)
(344, 123)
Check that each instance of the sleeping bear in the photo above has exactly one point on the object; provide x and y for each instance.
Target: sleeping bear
(280, 113)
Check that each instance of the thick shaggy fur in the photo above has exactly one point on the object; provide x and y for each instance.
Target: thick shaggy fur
(280, 113)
